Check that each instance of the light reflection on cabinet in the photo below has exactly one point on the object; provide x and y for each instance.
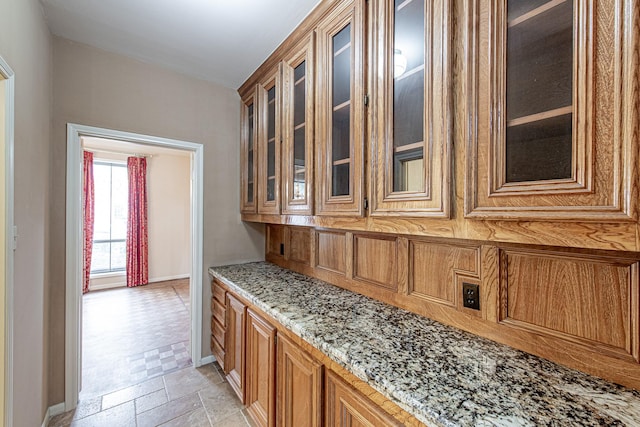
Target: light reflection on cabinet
(297, 130)
(248, 155)
(410, 167)
(339, 118)
(269, 143)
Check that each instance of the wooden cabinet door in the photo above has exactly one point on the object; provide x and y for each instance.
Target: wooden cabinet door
(248, 153)
(411, 156)
(551, 110)
(297, 130)
(218, 323)
(269, 144)
(235, 345)
(261, 379)
(299, 387)
(346, 407)
(340, 115)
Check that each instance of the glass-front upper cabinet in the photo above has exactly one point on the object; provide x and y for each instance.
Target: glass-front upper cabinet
(269, 145)
(248, 154)
(297, 130)
(340, 111)
(548, 92)
(412, 116)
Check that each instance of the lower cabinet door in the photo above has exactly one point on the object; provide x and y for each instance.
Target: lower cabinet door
(235, 345)
(346, 407)
(260, 370)
(299, 387)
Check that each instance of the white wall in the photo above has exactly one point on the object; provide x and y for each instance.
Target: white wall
(25, 44)
(3, 244)
(169, 225)
(96, 88)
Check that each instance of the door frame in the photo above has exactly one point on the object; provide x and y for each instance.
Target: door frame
(74, 239)
(10, 233)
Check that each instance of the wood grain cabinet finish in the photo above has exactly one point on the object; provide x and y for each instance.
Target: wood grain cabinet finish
(299, 383)
(269, 143)
(248, 153)
(235, 345)
(553, 93)
(410, 160)
(340, 125)
(218, 323)
(298, 129)
(346, 407)
(260, 370)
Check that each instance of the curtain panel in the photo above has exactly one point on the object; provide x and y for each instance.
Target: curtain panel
(88, 195)
(137, 243)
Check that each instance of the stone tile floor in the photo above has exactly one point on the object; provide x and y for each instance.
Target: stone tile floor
(136, 369)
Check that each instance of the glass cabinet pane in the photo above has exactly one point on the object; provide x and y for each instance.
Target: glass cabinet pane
(250, 151)
(299, 133)
(341, 117)
(271, 143)
(408, 95)
(539, 90)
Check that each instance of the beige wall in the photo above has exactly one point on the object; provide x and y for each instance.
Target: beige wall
(96, 88)
(25, 44)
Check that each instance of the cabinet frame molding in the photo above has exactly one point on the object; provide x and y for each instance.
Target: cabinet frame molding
(603, 186)
(272, 80)
(250, 98)
(303, 52)
(435, 200)
(346, 12)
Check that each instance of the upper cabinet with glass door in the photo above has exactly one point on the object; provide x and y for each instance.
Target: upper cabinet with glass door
(412, 116)
(340, 111)
(248, 154)
(297, 130)
(269, 145)
(551, 98)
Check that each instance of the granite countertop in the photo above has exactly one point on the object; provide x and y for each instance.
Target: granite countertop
(441, 375)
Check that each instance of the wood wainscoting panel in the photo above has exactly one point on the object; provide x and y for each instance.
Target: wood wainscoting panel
(375, 260)
(434, 270)
(275, 239)
(331, 251)
(592, 301)
(299, 245)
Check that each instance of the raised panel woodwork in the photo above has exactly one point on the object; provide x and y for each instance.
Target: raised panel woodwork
(218, 352)
(435, 270)
(218, 311)
(331, 251)
(300, 244)
(588, 300)
(346, 407)
(600, 180)
(298, 74)
(375, 260)
(235, 345)
(269, 144)
(275, 239)
(340, 124)
(410, 165)
(260, 375)
(249, 153)
(299, 387)
(218, 331)
(218, 292)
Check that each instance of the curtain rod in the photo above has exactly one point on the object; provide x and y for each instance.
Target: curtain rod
(95, 150)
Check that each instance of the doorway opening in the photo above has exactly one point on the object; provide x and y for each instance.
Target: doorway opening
(111, 147)
(7, 241)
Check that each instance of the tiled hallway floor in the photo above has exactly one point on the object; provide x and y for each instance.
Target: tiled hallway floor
(136, 368)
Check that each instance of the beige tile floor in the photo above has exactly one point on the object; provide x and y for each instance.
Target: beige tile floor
(136, 369)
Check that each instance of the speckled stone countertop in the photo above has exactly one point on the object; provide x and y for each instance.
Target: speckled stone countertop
(441, 375)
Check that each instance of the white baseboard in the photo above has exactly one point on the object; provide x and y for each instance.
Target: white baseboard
(52, 411)
(206, 360)
(113, 285)
(164, 279)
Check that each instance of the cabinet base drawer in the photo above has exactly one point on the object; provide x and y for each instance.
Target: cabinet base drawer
(218, 332)
(217, 352)
(218, 312)
(217, 292)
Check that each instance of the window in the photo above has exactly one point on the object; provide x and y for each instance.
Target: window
(110, 223)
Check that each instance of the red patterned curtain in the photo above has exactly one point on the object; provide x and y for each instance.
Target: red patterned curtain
(89, 202)
(137, 251)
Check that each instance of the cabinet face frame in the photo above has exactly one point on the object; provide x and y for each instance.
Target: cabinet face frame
(272, 81)
(305, 53)
(434, 200)
(246, 205)
(346, 13)
(604, 100)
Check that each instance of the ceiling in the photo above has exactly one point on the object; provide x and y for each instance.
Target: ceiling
(222, 41)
